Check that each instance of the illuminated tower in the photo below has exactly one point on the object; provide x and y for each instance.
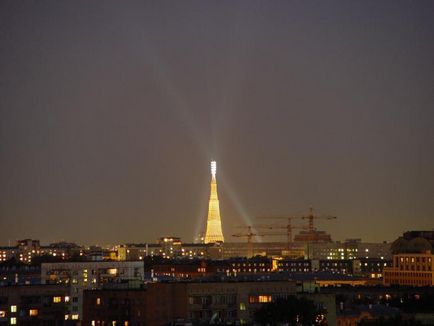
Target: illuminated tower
(214, 224)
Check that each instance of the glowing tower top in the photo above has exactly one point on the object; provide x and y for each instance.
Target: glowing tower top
(214, 224)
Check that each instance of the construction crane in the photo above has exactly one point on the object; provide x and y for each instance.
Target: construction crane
(312, 216)
(249, 235)
(289, 227)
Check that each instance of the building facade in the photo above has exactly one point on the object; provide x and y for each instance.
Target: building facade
(351, 249)
(119, 306)
(409, 269)
(34, 305)
(192, 303)
(80, 276)
(27, 249)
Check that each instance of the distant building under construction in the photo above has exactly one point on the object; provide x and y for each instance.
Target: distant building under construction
(312, 236)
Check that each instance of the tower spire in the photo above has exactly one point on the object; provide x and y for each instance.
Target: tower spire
(214, 224)
(213, 168)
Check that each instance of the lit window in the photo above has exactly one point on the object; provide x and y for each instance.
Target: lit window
(74, 317)
(242, 306)
(98, 301)
(2, 313)
(33, 312)
(66, 299)
(13, 308)
(66, 317)
(93, 323)
(57, 299)
(13, 320)
(264, 298)
(112, 271)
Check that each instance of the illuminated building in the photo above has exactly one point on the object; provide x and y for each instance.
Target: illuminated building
(124, 252)
(192, 303)
(17, 273)
(34, 305)
(214, 224)
(411, 269)
(98, 307)
(235, 302)
(367, 268)
(241, 249)
(27, 249)
(80, 276)
(350, 249)
(7, 253)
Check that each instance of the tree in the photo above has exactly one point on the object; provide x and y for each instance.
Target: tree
(394, 321)
(292, 311)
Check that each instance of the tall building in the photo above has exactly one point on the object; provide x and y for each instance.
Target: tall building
(194, 303)
(80, 276)
(214, 224)
(35, 305)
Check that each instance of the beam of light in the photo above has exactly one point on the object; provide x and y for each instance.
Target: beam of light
(232, 194)
(180, 108)
(201, 218)
(181, 111)
(177, 103)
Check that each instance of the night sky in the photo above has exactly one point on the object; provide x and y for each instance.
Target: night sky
(112, 111)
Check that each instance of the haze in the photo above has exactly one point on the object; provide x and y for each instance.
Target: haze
(111, 112)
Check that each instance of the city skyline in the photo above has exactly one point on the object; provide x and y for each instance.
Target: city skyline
(111, 113)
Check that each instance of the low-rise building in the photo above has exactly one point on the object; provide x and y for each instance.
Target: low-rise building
(187, 269)
(411, 269)
(27, 249)
(372, 267)
(242, 249)
(294, 265)
(350, 249)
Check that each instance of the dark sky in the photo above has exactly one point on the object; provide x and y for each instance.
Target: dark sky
(111, 112)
